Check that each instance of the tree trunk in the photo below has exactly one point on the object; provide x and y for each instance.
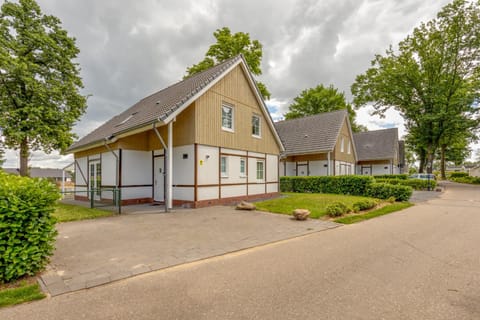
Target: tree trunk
(24, 153)
(442, 162)
(429, 161)
(422, 161)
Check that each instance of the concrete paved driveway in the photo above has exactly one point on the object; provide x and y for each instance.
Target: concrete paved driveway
(94, 252)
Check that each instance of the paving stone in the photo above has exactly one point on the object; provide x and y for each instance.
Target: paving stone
(140, 269)
(57, 288)
(98, 280)
(50, 279)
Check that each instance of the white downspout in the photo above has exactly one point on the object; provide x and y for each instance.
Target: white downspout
(328, 164)
(170, 165)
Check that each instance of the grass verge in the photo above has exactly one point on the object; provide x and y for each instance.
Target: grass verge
(70, 212)
(20, 292)
(315, 202)
(397, 206)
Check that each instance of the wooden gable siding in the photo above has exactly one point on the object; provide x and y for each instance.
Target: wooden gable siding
(307, 157)
(344, 156)
(234, 90)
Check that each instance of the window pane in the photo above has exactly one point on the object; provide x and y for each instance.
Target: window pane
(259, 170)
(223, 166)
(256, 125)
(242, 166)
(227, 117)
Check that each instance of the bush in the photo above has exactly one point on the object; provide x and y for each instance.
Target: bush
(385, 191)
(27, 229)
(470, 180)
(416, 184)
(336, 209)
(391, 176)
(364, 205)
(351, 184)
(458, 174)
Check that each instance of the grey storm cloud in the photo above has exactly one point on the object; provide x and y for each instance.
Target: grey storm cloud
(129, 49)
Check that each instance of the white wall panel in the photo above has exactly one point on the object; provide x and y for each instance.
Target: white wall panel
(183, 168)
(233, 191)
(81, 164)
(256, 189)
(272, 168)
(183, 193)
(136, 192)
(136, 167)
(207, 193)
(318, 168)
(291, 169)
(272, 187)
(109, 169)
(208, 163)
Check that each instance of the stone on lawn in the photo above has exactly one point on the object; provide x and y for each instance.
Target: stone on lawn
(245, 206)
(301, 214)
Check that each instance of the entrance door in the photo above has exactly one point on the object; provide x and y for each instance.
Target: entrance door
(159, 179)
(366, 171)
(95, 179)
(302, 170)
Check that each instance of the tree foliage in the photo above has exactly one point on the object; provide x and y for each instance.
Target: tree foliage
(229, 45)
(432, 80)
(321, 99)
(40, 83)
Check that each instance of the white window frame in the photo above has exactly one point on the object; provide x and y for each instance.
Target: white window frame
(224, 167)
(243, 173)
(257, 171)
(259, 135)
(232, 120)
(342, 145)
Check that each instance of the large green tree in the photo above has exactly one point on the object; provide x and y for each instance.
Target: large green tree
(229, 45)
(40, 82)
(321, 99)
(432, 79)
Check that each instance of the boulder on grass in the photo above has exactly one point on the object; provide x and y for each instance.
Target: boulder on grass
(301, 214)
(245, 206)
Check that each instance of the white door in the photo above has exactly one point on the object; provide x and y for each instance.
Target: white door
(159, 179)
(302, 170)
(366, 171)
(95, 179)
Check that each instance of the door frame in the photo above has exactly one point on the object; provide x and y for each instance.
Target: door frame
(95, 178)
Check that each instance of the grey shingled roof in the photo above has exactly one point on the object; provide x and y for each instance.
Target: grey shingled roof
(376, 145)
(156, 106)
(41, 172)
(312, 134)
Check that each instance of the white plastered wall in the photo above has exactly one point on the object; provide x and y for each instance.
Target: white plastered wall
(136, 171)
(183, 166)
(109, 169)
(81, 166)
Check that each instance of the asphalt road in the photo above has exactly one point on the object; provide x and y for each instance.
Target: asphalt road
(420, 263)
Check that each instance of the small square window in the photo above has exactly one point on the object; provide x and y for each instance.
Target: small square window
(227, 118)
(256, 126)
(185, 156)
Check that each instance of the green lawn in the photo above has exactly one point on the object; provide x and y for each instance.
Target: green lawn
(396, 206)
(315, 202)
(20, 292)
(69, 212)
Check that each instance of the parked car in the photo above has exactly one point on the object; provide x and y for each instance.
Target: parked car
(423, 176)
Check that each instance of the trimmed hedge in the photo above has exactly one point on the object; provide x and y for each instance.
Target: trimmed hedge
(386, 191)
(351, 185)
(391, 176)
(416, 184)
(27, 229)
(458, 174)
(470, 180)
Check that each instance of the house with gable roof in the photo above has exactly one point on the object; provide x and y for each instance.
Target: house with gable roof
(317, 145)
(206, 140)
(379, 152)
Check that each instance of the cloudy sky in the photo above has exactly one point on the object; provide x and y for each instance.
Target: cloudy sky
(130, 49)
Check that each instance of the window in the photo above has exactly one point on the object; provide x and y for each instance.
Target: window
(256, 126)
(349, 147)
(227, 117)
(223, 167)
(242, 167)
(260, 170)
(342, 145)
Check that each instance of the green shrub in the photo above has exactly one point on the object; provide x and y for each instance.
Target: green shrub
(458, 174)
(385, 191)
(416, 184)
(336, 209)
(364, 205)
(391, 176)
(391, 199)
(470, 180)
(351, 184)
(27, 229)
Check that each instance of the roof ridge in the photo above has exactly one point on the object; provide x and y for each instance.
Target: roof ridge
(370, 131)
(313, 115)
